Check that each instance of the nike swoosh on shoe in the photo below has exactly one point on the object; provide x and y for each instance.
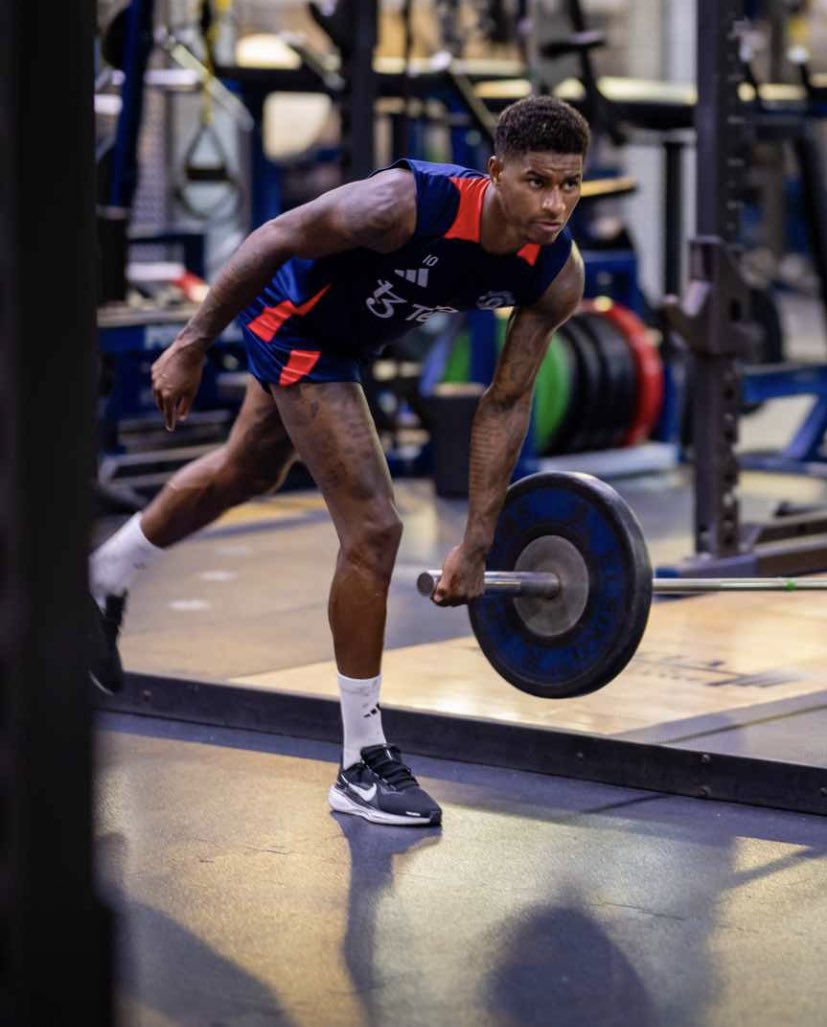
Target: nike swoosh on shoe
(364, 793)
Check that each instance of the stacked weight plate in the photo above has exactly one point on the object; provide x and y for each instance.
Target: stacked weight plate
(601, 384)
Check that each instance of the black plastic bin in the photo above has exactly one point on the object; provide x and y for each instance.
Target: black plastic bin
(451, 407)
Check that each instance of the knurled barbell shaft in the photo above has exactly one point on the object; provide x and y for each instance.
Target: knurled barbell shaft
(547, 585)
(690, 585)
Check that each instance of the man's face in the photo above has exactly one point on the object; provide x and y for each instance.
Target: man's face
(538, 191)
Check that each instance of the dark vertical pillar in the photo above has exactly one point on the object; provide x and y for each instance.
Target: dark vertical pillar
(673, 150)
(808, 150)
(716, 399)
(8, 329)
(773, 198)
(55, 947)
(359, 99)
(777, 15)
(137, 46)
(718, 121)
(587, 76)
(119, 189)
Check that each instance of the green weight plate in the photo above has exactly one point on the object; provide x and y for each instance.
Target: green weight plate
(458, 364)
(569, 422)
(552, 393)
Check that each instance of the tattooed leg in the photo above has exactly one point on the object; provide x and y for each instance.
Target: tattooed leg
(332, 430)
(255, 459)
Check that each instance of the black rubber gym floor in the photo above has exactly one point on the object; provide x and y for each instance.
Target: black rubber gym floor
(243, 901)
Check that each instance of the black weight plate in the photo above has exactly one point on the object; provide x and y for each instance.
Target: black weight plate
(568, 425)
(604, 424)
(589, 427)
(588, 515)
(592, 425)
(625, 375)
(622, 396)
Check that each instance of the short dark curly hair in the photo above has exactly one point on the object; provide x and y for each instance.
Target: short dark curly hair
(540, 123)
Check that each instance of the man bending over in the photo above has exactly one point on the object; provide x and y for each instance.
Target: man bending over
(322, 288)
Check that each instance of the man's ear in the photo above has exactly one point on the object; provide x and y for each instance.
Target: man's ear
(495, 169)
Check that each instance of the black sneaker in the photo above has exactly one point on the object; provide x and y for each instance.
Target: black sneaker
(105, 668)
(381, 788)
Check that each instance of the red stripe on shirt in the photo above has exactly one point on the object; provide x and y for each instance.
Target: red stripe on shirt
(467, 222)
(270, 320)
(530, 252)
(300, 364)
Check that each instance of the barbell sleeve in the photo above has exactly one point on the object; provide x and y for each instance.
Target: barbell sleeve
(547, 585)
(513, 583)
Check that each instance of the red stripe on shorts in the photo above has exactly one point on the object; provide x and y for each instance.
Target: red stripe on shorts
(268, 322)
(300, 364)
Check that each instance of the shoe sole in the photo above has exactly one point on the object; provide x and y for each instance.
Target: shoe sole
(99, 643)
(341, 803)
(100, 685)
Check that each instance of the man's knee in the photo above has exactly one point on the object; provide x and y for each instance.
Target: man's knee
(373, 542)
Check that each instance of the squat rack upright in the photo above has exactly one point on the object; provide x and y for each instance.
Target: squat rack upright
(715, 319)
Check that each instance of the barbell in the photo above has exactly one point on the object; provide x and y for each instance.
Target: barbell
(566, 608)
(547, 586)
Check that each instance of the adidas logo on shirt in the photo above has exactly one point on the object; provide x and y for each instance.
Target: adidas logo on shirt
(418, 277)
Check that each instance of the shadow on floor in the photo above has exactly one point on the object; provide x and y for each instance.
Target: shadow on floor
(559, 966)
(372, 850)
(163, 966)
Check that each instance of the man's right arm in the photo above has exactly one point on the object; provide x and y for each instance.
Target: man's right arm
(377, 213)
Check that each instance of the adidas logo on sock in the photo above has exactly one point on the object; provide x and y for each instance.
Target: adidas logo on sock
(418, 277)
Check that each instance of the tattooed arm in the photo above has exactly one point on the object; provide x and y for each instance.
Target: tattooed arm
(500, 427)
(377, 213)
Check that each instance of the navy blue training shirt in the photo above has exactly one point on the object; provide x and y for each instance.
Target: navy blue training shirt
(354, 303)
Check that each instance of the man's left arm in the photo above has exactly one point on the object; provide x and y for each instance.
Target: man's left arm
(500, 426)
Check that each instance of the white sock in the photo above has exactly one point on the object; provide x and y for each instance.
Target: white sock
(361, 716)
(113, 565)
